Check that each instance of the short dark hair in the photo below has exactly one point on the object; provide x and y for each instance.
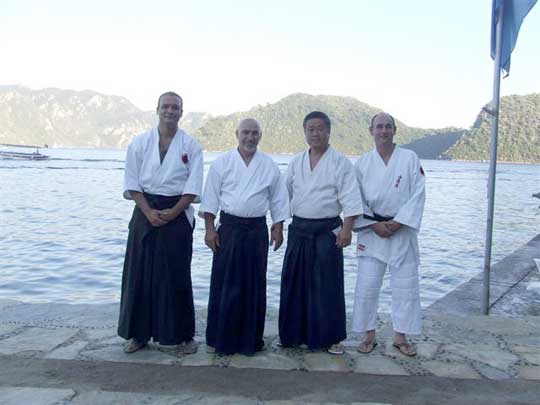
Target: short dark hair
(170, 93)
(318, 114)
(375, 116)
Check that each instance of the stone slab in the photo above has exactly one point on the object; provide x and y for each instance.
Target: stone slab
(128, 398)
(427, 350)
(36, 339)
(100, 334)
(376, 364)
(325, 362)
(271, 361)
(528, 353)
(34, 396)
(530, 373)
(451, 370)
(201, 358)
(70, 352)
(8, 328)
(116, 354)
(492, 373)
(490, 355)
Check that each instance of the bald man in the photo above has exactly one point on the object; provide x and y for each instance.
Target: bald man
(393, 193)
(243, 184)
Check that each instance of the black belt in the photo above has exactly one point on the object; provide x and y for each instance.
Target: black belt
(378, 218)
(225, 218)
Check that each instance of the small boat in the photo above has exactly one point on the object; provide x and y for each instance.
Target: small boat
(21, 154)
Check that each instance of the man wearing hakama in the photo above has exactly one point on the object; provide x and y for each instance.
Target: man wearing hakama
(244, 184)
(164, 173)
(392, 184)
(321, 185)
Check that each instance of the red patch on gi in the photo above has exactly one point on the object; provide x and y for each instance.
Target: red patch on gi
(422, 171)
(185, 158)
(361, 247)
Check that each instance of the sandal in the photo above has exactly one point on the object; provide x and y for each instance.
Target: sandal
(367, 346)
(405, 348)
(336, 349)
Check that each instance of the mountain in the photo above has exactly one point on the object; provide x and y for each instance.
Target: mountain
(518, 137)
(282, 125)
(89, 119)
(75, 118)
(68, 118)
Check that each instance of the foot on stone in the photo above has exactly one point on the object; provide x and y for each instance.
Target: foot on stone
(189, 347)
(134, 345)
(210, 349)
(405, 348)
(336, 349)
(367, 346)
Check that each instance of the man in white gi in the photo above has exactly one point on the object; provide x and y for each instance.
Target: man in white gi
(244, 183)
(321, 185)
(392, 183)
(164, 173)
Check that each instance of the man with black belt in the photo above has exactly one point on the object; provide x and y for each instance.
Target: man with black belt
(321, 185)
(164, 173)
(244, 183)
(392, 183)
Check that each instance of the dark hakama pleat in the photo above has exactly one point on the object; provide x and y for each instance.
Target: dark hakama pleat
(237, 302)
(157, 296)
(312, 299)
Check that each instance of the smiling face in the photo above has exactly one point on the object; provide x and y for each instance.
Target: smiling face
(317, 133)
(169, 110)
(248, 134)
(383, 129)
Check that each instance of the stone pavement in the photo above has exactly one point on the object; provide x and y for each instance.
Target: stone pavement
(472, 347)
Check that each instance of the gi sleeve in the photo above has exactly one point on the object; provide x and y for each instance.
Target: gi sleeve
(362, 222)
(348, 190)
(210, 201)
(410, 214)
(279, 198)
(134, 160)
(194, 182)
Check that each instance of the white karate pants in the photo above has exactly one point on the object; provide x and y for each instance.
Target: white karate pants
(404, 283)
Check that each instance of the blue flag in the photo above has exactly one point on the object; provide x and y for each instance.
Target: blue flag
(514, 11)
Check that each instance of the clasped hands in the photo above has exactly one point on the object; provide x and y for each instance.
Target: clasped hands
(161, 217)
(386, 229)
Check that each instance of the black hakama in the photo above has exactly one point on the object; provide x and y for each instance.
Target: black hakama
(312, 299)
(157, 297)
(237, 302)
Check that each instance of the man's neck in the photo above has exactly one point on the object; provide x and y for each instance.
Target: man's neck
(386, 150)
(246, 156)
(319, 150)
(166, 131)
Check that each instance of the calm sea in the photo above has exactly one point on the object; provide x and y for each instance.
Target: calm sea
(63, 227)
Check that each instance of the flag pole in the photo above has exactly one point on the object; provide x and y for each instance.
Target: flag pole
(494, 112)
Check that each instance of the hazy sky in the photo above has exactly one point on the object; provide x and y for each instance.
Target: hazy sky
(425, 61)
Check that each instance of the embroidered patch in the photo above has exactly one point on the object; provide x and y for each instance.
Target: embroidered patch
(422, 171)
(398, 181)
(361, 247)
(185, 158)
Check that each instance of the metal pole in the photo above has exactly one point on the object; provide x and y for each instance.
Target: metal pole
(493, 159)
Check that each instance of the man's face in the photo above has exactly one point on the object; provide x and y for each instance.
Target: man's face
(383, 129)
(248, 135)
(169, 110)
(317, 133)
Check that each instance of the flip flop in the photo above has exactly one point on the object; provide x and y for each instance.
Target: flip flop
(405, 348)
(367, 346)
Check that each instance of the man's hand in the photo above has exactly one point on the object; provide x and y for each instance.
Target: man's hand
(392, 226)
(343, 238)
(169, 214)
(276, 235)
(381, 229)
(154, 217)
(211, 238)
